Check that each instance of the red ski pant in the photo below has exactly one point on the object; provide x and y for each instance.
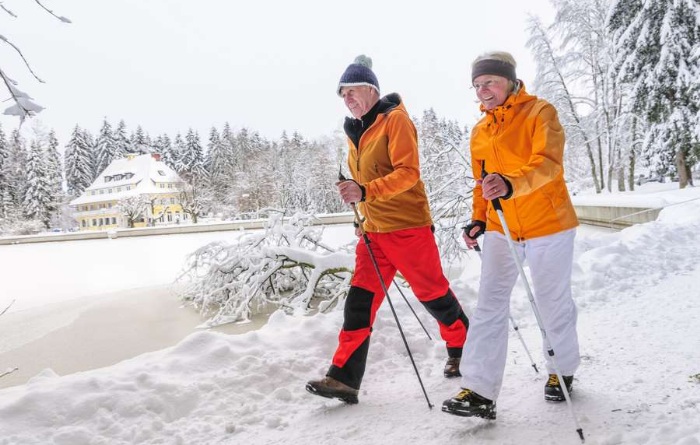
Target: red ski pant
(415, 255)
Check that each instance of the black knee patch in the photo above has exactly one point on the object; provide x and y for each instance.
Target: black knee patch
(358, 309)
(446, 309)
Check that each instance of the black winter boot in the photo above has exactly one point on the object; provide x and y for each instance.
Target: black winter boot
(470, 404)
(553, 391)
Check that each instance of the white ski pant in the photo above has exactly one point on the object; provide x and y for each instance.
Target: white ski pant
(550, 260)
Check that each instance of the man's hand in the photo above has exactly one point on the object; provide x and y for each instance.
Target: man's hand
(494, 186)
(473, 230)
(350, 191)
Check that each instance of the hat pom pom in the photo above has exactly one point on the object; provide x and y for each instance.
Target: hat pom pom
(364, 61)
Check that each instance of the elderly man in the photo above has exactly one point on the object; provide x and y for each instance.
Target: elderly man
(386, 186)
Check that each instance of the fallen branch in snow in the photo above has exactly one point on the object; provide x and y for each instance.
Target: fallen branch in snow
(7, 308)
(8, 371)
(285, 265)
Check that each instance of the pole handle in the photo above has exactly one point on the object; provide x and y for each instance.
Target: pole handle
(497, 204)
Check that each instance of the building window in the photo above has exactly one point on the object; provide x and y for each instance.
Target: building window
(172, 200)
(162, 185)
(108, 178)
(170, 217)
(161, 172)
(163, 202)
(109, 191)
(83, 223)
(128, 187)
(170, 186)
(102, 192)
(94, 222)
(114, 220)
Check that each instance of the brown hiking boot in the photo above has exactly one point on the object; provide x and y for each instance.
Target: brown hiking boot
(333, 389)
(452, 367)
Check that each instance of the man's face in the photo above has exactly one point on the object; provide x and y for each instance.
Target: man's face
(359, 99)
(491, 90)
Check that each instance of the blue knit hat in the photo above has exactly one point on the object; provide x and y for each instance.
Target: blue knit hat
(359, 73)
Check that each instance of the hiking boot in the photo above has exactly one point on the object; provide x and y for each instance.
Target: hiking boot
(470, 404)
(333, 389)
(552, 390)
(452, 367)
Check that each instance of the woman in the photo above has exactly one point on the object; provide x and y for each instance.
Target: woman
(517, 148)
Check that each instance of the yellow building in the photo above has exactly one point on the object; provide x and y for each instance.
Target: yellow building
(135, 191)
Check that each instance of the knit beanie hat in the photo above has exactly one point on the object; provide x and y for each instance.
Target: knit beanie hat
(494, 67)
(357, 73)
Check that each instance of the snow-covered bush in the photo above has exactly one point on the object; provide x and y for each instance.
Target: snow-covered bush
(284, 265)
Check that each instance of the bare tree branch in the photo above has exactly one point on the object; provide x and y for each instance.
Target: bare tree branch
(61, 18)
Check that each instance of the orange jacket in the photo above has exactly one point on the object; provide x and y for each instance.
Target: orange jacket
(386, 163)
(524, 142)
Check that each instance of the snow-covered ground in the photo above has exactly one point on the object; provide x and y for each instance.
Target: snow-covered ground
(639, 383)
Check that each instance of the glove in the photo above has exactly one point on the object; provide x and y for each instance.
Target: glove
(476, 223)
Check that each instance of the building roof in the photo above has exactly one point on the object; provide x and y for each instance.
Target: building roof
(140, 173)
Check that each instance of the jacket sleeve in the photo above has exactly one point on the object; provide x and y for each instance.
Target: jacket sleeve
(403, 154)
(546, 159)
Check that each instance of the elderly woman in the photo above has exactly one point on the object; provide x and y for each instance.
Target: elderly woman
(517, 149)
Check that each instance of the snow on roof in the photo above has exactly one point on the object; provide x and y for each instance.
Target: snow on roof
(139, 173)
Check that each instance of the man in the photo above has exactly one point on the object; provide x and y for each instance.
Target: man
(517, 148)
(386, 186)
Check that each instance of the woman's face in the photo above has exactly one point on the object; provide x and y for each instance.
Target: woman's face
(491, 90)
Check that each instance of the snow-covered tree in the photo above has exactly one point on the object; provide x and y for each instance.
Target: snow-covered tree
(79, 163)
(447, 175)
(164, 146)
(133, 208)
(39, 202)
(656, 43)
(139, 142)
(121, 141)
(286, 265)
(106, 148)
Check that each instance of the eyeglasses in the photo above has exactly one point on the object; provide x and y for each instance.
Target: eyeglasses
(487, 84)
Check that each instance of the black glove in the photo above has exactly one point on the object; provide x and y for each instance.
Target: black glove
(476, 223)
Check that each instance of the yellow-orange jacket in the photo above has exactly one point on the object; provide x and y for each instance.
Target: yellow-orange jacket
(524, 142)
(386, 164)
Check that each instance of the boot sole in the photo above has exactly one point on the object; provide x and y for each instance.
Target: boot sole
(490, 415)
(557, 397)
(350, 399)
(451, 375)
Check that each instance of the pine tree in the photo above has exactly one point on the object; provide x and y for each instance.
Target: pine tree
(79, 163)
(121, 142)
(656, 44)
(16, 163)
(4, 187)
(106, 148)
(164, 146)
(54, 171)
(140, 142)
(38, 199)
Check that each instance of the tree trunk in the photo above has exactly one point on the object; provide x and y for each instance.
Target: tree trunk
(682, 168)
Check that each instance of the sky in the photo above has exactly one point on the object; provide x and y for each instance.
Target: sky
(639, 382)
(269, 65)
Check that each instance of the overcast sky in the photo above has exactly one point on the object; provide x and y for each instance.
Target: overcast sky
(269, 65)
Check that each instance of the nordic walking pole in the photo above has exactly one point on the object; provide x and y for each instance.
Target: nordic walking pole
(411, 308)
(499, 210)
(515, 327)
(391, 305)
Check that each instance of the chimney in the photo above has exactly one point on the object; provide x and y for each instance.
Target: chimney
(156, 156)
